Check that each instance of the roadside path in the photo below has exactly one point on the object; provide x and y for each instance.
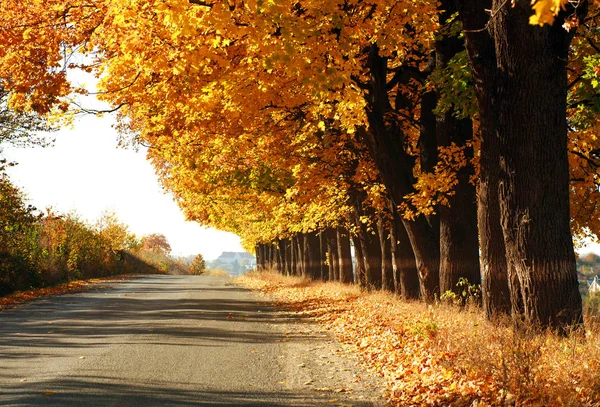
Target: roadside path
(171, 341)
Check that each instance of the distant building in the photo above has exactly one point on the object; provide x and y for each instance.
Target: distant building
(594, 288)
(234, 262)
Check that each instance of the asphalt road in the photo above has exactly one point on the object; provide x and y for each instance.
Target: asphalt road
(171, 341)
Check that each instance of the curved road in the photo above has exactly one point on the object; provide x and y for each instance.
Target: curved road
(170, 341)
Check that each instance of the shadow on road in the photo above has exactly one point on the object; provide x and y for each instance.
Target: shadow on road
(92, 319)
(71, 393)
(183, 313)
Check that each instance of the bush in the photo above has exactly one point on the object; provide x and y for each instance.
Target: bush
(39, 250)
(198, 266)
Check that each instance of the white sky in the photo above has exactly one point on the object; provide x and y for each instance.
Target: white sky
(87, 173)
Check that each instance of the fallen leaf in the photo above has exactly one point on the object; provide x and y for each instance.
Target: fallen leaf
(48, 393)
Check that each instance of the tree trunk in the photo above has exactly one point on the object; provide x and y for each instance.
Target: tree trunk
(277, 260)
(359, 269)
(313, 252)
(274, 257)
(372, 258)
(387, 277)
(288, 254)
(332, 253)
(496, 297)
(482, 57)
(534, 189)
(281, 243)
(528, 100)
(268, 256)
(257, 251)
(293, 257)
(305, 256)
(395, 260)
(371, 253)
(344, 255)
(459, 245)
(406, 278)
(300, 266)
(323, 250)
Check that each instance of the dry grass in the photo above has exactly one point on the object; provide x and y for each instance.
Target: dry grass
(443, 355)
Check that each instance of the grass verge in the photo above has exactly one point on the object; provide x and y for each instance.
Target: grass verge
(443, 355)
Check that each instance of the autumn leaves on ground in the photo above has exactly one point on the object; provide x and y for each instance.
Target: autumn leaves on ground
(443, 354)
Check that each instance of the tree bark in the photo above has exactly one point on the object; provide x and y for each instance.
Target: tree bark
(528, 100)
(300, 266)
(332, 253)
(459, 245)
(305, 255)
(359, 265)
(371, 253)
(268, 256)
(282, 257)
(274, 258)
(534, 186)
(387, 277)
(371, 258)
(403, 260)
(344, 255)
(496, 297)
(293, 257)
(313, 252)
(323, 250)
(277, 261)
(480, 46)
(257, 251)
(288, 256)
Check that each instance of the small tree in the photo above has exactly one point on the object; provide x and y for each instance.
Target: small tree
(198, 266)
(156, 243)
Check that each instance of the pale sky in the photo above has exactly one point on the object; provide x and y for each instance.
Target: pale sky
(87, 173)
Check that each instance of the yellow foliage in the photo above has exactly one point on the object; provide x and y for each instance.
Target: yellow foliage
(251, 109)
(546, 10)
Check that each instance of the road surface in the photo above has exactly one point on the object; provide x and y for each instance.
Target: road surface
(171, 341)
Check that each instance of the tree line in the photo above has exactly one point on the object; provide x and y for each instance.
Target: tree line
(41, 249)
